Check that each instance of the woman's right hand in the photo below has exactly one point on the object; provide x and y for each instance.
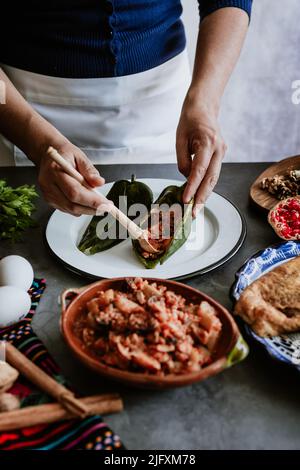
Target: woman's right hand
(33, 134)
(62, 191)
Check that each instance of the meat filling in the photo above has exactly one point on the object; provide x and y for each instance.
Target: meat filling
(149, 329)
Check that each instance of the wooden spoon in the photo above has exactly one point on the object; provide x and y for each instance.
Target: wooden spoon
(134, 230)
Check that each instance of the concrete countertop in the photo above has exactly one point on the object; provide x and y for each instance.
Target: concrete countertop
(254, 405)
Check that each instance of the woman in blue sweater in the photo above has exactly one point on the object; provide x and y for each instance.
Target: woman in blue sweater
(107, 82)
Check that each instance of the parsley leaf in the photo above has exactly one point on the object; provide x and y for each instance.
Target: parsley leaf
(16, 208)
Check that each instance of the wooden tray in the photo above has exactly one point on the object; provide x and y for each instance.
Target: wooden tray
(262, 197)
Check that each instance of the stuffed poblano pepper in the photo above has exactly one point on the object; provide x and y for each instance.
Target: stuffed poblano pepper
(169, 226)
(136, 192)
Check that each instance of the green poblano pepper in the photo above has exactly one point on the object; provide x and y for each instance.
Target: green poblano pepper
(171, 195)
(136, 193)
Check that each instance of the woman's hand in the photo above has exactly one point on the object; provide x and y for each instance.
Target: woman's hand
(221, 36)
(200, 150)
(62, 191)
(26, 128)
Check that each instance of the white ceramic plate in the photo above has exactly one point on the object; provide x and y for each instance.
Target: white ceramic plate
(217, 234)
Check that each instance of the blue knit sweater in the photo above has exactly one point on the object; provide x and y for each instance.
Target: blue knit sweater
(96, 38)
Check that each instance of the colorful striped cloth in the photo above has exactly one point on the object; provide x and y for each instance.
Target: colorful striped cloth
(91, 433)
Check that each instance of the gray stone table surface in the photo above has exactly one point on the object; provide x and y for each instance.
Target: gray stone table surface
(254, 405)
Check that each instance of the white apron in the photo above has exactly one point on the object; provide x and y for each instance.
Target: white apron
(130, 119)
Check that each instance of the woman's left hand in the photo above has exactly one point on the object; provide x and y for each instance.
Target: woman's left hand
(200, 150)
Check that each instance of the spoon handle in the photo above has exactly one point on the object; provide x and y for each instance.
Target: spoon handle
(67, 167)
(133, 229)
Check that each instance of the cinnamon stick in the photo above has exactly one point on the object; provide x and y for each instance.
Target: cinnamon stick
(53, 412)
(42, 380)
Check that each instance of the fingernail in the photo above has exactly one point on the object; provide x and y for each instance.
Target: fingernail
(98, 177)
(94, 172)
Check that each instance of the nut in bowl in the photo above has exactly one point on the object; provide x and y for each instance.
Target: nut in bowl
(149, 332)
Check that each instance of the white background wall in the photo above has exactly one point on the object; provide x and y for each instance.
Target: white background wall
(258, 119)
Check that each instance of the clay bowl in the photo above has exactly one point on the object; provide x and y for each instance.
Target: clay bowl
(231, 347)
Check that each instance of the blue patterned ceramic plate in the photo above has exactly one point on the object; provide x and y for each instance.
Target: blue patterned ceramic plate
(285, 348)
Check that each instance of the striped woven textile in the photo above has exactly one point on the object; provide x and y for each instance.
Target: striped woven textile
(91, 433)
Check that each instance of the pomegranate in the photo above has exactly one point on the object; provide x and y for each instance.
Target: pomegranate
(285, 218)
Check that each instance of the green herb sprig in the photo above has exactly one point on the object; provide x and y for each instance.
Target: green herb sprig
(16, 209)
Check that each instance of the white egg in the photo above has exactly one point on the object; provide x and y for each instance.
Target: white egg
(16, 271)
(14, 305)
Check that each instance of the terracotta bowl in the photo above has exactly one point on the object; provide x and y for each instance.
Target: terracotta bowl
(231, 346)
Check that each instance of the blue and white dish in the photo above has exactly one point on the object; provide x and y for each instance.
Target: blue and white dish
(285, 348)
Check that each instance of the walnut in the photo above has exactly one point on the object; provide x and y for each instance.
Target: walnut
(295, 175)
(283, 186)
